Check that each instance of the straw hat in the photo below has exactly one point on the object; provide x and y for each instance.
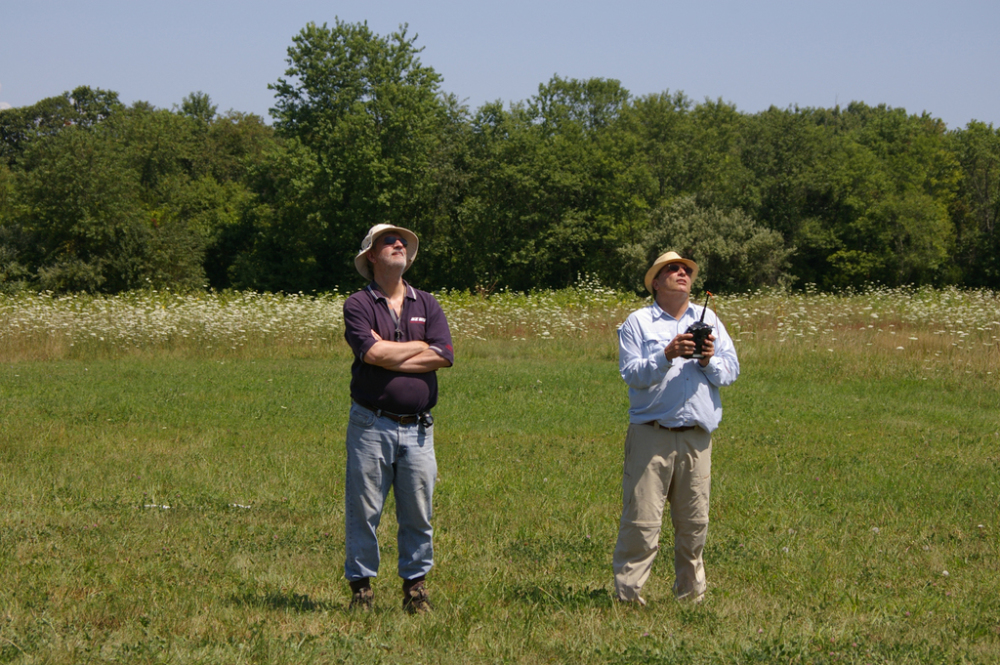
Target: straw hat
(361, 261)
(664, 259)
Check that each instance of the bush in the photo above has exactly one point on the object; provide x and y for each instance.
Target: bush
(732, 251)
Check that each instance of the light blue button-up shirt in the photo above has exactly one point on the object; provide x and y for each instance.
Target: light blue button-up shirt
(674, 393)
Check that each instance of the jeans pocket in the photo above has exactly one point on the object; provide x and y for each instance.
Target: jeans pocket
(361, 417)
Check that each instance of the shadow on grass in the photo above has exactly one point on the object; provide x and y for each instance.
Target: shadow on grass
(276, 600)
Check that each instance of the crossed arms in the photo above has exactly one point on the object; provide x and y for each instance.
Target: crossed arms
(414, 357)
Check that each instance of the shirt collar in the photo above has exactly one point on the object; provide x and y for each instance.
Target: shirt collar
(376, 292)
(659, 313)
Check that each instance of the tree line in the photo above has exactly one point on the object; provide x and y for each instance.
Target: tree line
(581, 179)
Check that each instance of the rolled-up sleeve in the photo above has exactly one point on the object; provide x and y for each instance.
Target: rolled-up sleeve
(638, 369)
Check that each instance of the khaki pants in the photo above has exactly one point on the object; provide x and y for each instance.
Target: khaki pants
(660, 466)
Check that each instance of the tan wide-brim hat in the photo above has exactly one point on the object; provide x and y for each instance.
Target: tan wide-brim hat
(361, 261)
(664, 259)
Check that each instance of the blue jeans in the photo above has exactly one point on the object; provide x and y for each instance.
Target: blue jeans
(381, 454)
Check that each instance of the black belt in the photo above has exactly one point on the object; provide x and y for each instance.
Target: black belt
(686, 428)
(401, 418)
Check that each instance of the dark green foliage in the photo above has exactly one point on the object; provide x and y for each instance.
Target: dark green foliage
(278, 244)
(106, 198)
(977, 209)
(580, 179)
(901, 232)
(551, 189)
(14, 274)
(84, 107)
(80, 209)
(863, 193)
(369, 115)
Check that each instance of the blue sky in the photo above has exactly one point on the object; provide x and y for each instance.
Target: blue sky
(923, 56)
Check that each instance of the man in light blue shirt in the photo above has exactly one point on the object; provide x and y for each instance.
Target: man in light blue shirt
(674, 407)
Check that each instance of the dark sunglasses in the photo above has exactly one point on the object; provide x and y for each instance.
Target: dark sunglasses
(671, 268)
(391, 240)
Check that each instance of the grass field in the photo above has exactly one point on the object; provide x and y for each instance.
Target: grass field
(171, 478)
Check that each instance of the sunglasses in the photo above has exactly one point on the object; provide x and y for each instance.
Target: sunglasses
(391, 240)
(671, 268)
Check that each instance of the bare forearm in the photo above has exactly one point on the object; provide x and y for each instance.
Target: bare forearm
(391, 354)
(425, 361)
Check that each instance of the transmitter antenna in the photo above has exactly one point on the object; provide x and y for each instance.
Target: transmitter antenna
(708, 294)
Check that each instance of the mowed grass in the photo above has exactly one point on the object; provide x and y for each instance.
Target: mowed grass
(187, 507)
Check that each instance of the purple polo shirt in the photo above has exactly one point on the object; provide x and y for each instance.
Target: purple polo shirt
(421, 319)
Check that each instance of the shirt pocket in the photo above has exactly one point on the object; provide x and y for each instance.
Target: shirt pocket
(653, 343)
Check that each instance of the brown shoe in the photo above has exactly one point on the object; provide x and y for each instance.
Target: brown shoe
(362, 598)
(416, 600)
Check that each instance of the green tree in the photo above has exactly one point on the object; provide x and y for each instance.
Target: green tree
(899, 184)
(689, 149)
(863, 193)
(138, 198)
(663, 127)
(448, 243)
(84, 107)
(589, 196)
(198, 105)
(235, 148)
(14, 274)
(80, 211)
(192, 173)
(977, 209)
(275, 245)
(720, 177)
(551, 187)
(6, 193)
(372, 115)
(486, 222)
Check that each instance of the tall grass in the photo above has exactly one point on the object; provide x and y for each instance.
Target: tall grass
(946, 330)
(172, 492)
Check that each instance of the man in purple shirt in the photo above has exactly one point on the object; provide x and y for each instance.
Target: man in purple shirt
(400, 337)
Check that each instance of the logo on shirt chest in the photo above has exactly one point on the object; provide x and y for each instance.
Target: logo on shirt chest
(418, 319)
